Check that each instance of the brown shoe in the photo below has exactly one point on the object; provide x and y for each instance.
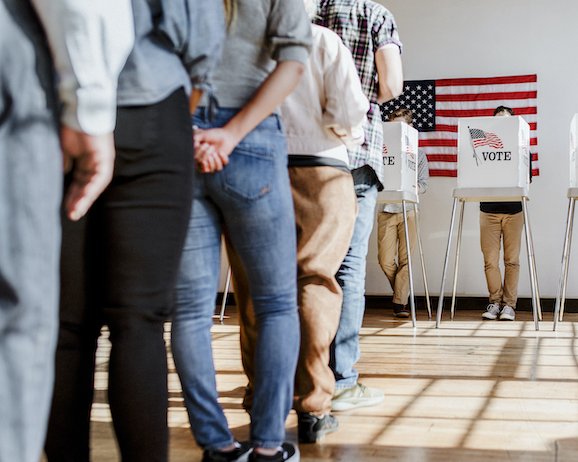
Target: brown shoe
(400, 311)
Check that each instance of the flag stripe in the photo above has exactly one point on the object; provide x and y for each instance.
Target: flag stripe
(523, 95)
(488, 80)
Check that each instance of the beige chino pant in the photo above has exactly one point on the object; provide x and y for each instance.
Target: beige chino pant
(495, 227)
(325, 213)
(391, 243)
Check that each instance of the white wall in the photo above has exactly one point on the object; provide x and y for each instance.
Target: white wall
(463, 38)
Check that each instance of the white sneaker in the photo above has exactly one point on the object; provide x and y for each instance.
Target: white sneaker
(356, 396)
(508, 313)
(492, 311)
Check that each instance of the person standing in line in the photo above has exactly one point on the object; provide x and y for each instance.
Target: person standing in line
(31, 161)
(391, 230)
(119, 263)
(369, 31)
(242, 183)
(501, 221)
(323, 116)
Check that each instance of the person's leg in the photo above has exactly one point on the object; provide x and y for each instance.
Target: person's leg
(30, 195)
(401, 291)
(254, 195)
(351, 276)
(490, 239)
(142, 221)
(247, 320)
(193, 318)
(325, 212)
(512, 229)
(80, 322)
(387, 244)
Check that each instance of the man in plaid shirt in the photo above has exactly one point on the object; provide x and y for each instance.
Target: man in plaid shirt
(369, 31)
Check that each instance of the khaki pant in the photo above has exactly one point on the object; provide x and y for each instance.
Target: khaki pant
(325, 213)
(492, 227)
(391, 242)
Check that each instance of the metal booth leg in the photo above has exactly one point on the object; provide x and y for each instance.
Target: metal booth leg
(531, 264)
(441, 297)
(459, 243)
(225, 293)
(535, 273)
(561, 296)
(418, 232)
(408, 251)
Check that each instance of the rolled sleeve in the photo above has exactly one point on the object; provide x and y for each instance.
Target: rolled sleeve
(90, 42)
(289, 31)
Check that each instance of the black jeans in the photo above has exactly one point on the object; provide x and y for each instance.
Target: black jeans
(118, 267)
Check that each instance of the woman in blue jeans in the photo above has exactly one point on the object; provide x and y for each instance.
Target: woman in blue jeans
(242, 184)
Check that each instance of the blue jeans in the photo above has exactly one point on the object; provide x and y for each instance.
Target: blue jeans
(30, 196)
(251, 196)
(351, 277)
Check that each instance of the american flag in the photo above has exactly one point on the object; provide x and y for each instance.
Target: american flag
(482, 138)
(438, 104)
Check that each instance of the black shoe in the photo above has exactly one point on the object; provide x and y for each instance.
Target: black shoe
(400, 311)
(288, 452)
(240, 454)
(312, 428)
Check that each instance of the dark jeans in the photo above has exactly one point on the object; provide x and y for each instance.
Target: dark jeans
(118, 268)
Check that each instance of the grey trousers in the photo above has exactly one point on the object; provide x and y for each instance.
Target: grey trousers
(30, 197)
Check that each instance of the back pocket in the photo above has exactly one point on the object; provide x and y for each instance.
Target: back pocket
(250, 172)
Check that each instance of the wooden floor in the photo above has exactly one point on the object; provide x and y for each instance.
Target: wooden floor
(471, 391)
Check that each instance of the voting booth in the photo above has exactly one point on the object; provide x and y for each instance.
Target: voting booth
(493, 152)
(572, 195)
(400, 166)
(494, 163)
(400, 144)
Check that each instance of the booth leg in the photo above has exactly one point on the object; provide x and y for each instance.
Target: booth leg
(539, 303)
(408, 249)
(418, 232)
(531, 263)
(441, 297)
(225, 293)
(459, 243)
(561, 296)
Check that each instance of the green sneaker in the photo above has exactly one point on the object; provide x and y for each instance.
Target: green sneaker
(356, 396)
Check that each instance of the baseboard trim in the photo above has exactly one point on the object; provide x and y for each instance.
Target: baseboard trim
(464, 303)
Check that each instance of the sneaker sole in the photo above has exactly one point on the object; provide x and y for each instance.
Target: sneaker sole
(346, 406)
(489, 316)
(507, 318)
(318, 436)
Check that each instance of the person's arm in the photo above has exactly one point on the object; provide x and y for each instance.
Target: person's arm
(389, 72)
(90, 42)
(222, 141)
(346, 105)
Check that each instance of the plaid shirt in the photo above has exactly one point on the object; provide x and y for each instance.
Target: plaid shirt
(364, 26)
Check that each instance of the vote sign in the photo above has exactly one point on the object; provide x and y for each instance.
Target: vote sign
(493, 152)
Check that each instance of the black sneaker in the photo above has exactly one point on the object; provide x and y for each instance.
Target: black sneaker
(287, 452)
(313, 428)
(240, 454)
(400, 311)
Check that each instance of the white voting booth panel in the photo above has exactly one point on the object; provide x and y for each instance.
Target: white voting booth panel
(400, 144)
(493, 152)
(573, 147)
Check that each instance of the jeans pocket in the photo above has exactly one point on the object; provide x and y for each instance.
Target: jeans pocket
(250, 172)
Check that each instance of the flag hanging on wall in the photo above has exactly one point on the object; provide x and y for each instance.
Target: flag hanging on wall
(437, 105)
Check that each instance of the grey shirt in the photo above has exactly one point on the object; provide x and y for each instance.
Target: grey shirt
(264, 33)
(178, 44)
